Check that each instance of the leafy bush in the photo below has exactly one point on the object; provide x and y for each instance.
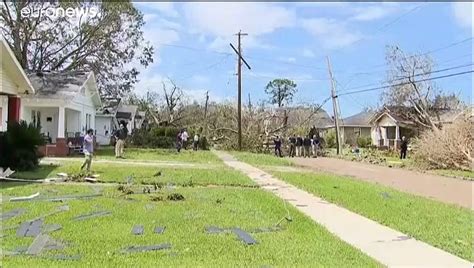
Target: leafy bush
(19, 146)
(364, 142)
(450, 147)
(330, 139)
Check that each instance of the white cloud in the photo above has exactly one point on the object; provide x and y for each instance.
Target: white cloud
(463, 12)
(165, 8)
(222, 20)
(308, 53)
(287, 59)
(374, 12)
(331, 33)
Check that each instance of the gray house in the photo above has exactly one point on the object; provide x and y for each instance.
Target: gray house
(356, 126)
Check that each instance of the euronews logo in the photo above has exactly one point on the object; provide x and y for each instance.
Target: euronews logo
(55, 12)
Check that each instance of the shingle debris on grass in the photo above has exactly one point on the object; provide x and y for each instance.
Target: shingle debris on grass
(12, 213)
(51, 228)
(244, 236)
(214, 230)
(138, 230)
(92, 215)
(159, 230)
(134, 249)
(266, 229)
(30, 228)
(62, 257)
(38, 244)
(24, 198)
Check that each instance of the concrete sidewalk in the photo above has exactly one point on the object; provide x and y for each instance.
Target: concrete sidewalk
(448, 190)
(389, 247)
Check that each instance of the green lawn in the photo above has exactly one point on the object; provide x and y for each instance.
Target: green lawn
(302, 243)
(465, 174)
(139, 154)
(111, 172)
(262, 159)
(444, 226)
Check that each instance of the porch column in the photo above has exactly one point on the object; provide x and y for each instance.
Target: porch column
(14, 103)
(61, 122)
(385, 136)
(397, 135)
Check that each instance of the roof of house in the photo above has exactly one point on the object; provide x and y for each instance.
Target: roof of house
(399, 114)
(109, 107)
(361, 119)
(9, 61)
(64, 85)
(127, 111)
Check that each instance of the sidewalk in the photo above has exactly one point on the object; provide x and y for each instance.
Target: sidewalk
(447, 190)
(389, 247)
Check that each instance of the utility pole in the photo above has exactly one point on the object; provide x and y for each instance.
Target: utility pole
(205, 113)
(334, 106)
(240, 59)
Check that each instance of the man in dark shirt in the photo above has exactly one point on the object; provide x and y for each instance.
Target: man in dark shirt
(299, 146)
(307, 146)
(277, 142)
(403, 148)
(120, 136)
(292, 141)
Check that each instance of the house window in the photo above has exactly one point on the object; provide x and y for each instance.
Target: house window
(357, 131)
(36, 118)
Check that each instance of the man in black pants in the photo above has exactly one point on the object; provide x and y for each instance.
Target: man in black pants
(403, 148)
(292, 141)
(307, 146)
(277, 142)
(299, 146)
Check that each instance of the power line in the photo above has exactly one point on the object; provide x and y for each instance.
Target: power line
(406, 83)
(254, 75)
(416, 75)
(286, 63)
(194, 48)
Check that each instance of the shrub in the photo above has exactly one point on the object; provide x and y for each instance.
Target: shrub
(19, 146)
(364, 142)
(330, 139)
(450, 147)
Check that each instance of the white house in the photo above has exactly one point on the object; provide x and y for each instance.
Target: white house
(105, 121)
(14, 82)
(63, 106)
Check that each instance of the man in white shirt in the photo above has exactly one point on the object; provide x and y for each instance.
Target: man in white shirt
(184, 138)
(88, 149)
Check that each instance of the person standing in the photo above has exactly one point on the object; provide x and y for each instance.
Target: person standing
(315, 145)
(403, 148)
(196, 142)
(184, 139)
(88, 149)
(299, 146)
(277, 142)
(307, 146)
(120, 136)
(292, 141)
(179, 141)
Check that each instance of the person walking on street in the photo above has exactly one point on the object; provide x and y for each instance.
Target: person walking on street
(196, 142)
(120, 136)
(299, 146)
(88, 149)
(277, 142)
(307, 146)
(292, 141)
(315, 145)
(403, 148)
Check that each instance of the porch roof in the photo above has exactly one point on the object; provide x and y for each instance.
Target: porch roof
(14, 69)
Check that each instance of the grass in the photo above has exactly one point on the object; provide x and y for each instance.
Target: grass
(302, 243)
(262, 159)
(116, 172)
(140, 154)
(444, 226)
(465, 174)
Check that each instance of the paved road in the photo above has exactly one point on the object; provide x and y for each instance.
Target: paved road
(448, 190)
(387, 246)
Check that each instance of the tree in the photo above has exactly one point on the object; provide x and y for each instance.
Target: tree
(107, 43)
(281, 91)
(174, 101)
(421, 102)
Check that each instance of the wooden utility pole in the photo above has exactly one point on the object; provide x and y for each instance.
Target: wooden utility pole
(240, 59)
(334, 107)
(205, 113)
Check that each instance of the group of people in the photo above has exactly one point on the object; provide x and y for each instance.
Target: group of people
(299, 146)
(182, 140)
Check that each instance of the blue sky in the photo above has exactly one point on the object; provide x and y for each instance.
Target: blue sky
(291, 40)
